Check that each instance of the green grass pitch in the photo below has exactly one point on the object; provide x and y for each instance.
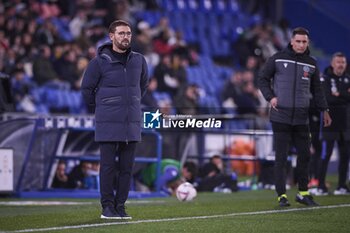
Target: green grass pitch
(246, 211)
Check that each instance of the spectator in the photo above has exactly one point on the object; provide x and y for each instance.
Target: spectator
(253, 65)
(178, 65)
(77, 23)
(43, 69)
(66, 68)
(232, 89)
(82, 64)
(163, 74)
(213, 179)
(283, 33)
(76, 178)
(60, 179)
(120, 10)
(161, 43)
(46, 33)
(21, 86)
(247, 101)
(143, 43)
(163, 25)
(171, 174)
(149, 101)
(91, 180)
(186, 101)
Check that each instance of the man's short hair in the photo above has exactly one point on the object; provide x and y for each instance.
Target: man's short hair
(338, 54)
(117, 23)
(191, 168)
(300, 31)
(215, 156)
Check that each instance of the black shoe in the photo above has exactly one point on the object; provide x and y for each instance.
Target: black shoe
(110, 213)
(305, 200)
(121, 212)
(283, 201)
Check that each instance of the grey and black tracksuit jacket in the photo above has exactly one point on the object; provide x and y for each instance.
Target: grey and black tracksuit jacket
(292, 78)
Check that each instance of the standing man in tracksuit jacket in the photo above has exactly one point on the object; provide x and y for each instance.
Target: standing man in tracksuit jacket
(337, 89)
(287, 81)
(113, 84)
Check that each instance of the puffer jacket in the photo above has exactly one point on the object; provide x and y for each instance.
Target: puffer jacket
(115, 90)
(292, 78)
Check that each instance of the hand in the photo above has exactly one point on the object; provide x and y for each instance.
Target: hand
(273, 103)
(327, 120)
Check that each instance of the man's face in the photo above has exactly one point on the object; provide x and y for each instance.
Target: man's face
(339, 65)
(300, 43)
(121, 38)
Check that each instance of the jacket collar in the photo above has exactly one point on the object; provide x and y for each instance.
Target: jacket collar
(290, 50)
(105, 51)
(328, 71)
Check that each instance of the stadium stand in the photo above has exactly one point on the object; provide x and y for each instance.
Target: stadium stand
(40, 142)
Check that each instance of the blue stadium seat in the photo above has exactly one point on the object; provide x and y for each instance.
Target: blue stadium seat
(76, 103)
(205, 47)
(162, 96)
(205, 5)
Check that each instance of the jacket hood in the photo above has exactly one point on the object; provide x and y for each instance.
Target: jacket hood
(289, 49)
(105, 51)
(105, 48)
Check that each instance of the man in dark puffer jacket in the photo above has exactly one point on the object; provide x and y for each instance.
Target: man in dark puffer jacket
(337, 89)
(287, 81)
(113, 85)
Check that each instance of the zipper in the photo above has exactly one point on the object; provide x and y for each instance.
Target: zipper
(127, 106)
(127, 99)
(294, 88)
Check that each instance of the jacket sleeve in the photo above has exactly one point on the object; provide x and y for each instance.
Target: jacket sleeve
(344, 92)
(144, 77)
(318, 92)
(344, 95)
(90, 83)
(331, 99)
(265, 79)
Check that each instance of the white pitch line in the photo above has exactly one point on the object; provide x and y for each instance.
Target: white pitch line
(42, 203)
(179, 219)
(54, 203)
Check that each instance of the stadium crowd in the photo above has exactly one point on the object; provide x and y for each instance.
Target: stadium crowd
(49, 44)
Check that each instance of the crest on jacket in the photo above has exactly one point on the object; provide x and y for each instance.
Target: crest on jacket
(306, 73)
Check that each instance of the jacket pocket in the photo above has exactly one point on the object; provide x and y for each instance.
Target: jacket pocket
(112, 99)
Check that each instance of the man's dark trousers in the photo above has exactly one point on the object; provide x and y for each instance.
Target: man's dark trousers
(115, 176)
(284, 135)
(344, 151)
